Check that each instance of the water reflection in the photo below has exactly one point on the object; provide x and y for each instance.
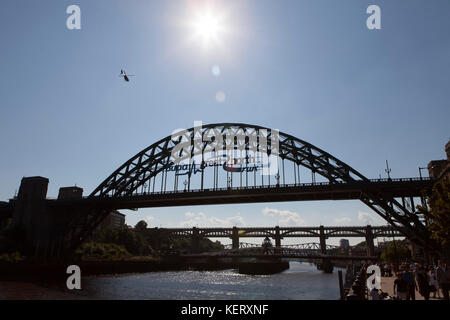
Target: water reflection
(301, 282)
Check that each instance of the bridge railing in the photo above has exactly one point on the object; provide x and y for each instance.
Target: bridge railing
(278, 186)
(273, 251)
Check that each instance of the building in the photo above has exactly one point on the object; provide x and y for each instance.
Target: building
(440, 169)
(70, 193)
(114, 219)
(344, 244)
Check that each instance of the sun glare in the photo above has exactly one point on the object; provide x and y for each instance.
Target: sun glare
(208, 27)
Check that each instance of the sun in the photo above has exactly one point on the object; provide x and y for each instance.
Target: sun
(208, 27)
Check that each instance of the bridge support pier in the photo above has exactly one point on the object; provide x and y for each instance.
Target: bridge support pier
(277, 237)
(32, 219)
(369, 241)
(326, 266)
(235, 238)
(195, 240)
(323, 242)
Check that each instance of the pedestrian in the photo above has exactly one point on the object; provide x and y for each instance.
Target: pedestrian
(434, 285)
(382, 270)
(443, 277)
(374, 294)
(423, 282)
(389, 270)
(400, 287)
(411, 281)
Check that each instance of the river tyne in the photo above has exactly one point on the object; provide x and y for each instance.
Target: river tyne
(302, 281)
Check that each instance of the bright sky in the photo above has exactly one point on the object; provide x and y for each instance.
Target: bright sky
(309, 68)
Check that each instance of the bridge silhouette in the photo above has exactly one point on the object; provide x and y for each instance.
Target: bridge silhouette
(309, 246)
(322, 233)
(306, 251)
(152, 177)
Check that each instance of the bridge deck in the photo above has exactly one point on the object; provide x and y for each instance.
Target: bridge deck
(397, 188)
(280, 256)
(284, 232)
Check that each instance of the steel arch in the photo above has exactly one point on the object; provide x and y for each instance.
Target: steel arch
(146, 164)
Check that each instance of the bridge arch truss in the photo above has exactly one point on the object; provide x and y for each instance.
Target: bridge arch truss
(138, 173)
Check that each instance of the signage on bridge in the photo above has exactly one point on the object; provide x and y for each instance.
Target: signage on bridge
(248, 164)
(261, 148)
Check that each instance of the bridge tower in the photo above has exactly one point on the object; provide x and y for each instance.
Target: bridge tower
(369, 241)
(235, 238)
(277, 237)
(31, 217)
(323, 242)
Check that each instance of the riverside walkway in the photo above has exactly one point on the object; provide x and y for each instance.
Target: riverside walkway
(387, 285)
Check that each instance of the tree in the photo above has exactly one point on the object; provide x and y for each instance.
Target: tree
(395, 252)
(141, 226)
(438, 214)
(132, 241)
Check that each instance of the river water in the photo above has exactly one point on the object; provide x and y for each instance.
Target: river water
(302, 281)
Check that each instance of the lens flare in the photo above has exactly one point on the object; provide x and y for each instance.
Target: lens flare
(208, 26)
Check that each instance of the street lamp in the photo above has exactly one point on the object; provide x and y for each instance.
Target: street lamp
(420, 171)
(144, 187)
(388, 171)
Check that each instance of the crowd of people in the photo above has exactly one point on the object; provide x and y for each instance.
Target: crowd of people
(409, 277)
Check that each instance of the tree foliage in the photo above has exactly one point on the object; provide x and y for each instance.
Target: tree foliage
(142, 240)
(438, 214)
(160, 239)
(141, 226)
(395, 252)
(132, 241)
(107, 251)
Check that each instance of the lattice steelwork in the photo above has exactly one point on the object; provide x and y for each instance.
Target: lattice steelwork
(312, 246)
(285, 232)
(136, 174)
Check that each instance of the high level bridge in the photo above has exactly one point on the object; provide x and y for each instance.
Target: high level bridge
(369, 233)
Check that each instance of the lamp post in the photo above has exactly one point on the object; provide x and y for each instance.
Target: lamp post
(388, 171)
(420, 172)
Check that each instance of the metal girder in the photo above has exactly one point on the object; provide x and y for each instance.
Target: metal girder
(285, 232)
(148, 163)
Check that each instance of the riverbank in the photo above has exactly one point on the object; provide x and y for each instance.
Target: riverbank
(19, 290)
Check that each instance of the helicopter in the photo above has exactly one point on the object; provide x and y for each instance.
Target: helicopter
(125, 76)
